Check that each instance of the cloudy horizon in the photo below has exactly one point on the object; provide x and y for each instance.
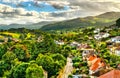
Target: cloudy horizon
(16, 11)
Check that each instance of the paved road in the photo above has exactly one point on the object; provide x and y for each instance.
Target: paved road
(68, 68)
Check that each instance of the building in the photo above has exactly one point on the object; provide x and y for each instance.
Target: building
(112, 74)
(60, 42)
(115, 50)
(96, 30)
(116, 39)
(75, 44)
(95, 63)
(101, 35)
(87, 52)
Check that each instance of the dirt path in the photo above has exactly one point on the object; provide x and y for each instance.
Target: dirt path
(67, 70)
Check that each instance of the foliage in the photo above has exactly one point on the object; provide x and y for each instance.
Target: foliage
(118, 22)
(19, 71)
(34, 71)
(36, 52)
(9, 57)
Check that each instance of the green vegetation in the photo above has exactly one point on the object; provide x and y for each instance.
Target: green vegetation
(28, 53)
(118, 22)
(24, 54)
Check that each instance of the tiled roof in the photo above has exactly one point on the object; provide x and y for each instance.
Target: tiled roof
(91, 58)
(111, 74)
(96, 65)
(96, 62)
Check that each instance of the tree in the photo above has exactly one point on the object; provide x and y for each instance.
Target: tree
(3, 50)
(22, 54)
(2, 68)
(49, 44)
(60, 58)
(118, 22)
(9, 57)
(34, 71)
(46, 62)
(19, 71)
(114, 60)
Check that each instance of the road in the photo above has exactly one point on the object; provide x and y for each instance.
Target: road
(68, 69)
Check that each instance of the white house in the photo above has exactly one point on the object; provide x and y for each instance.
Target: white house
(96, 30)
(106, 35)
(87, 52)
(116, 39)
(117, 51)
(101, 35)
(59, 42)
(97, 36)
(75, 44)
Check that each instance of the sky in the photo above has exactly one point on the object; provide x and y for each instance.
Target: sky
(23, 11)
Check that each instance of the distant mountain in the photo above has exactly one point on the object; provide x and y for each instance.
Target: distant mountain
(105, 19)
(28, 26)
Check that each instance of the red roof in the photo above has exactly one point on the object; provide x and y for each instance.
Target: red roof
(94, 67)
(96, 62)
(111, 74)
(91, 58)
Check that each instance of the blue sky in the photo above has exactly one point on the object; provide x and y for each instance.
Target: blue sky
(24, 11)
(35, 6)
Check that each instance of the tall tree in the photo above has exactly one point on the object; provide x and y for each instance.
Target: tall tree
(34, 71)
(118, 22)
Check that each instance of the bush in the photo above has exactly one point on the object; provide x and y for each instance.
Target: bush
(118, 22)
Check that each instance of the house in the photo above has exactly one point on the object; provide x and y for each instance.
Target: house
(87, 52)
(112, 74)
(96, 30)
(95, 63)
(116, 39)
(3, 40)
(15, 40)
(101, 35)
(117, 51)
(106, 35)
(39, 39)
(97, 36)
(75, 44)
(60, 42)
(83, 46)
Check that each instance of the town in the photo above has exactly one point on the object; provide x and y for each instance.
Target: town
(89, 52)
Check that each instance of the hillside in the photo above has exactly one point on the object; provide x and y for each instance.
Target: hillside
(105, 19)
(28, 26)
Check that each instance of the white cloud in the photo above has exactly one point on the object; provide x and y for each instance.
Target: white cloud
(79, 8)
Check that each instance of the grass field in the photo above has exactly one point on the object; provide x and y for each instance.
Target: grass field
(14, 35)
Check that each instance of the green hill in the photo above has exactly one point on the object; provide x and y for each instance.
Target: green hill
(105, 19)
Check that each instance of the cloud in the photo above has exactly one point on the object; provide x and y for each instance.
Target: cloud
(78, 8)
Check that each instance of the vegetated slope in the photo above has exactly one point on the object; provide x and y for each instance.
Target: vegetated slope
(105, 19)
(28, 26)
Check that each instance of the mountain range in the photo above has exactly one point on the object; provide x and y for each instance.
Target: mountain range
(105, 19)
